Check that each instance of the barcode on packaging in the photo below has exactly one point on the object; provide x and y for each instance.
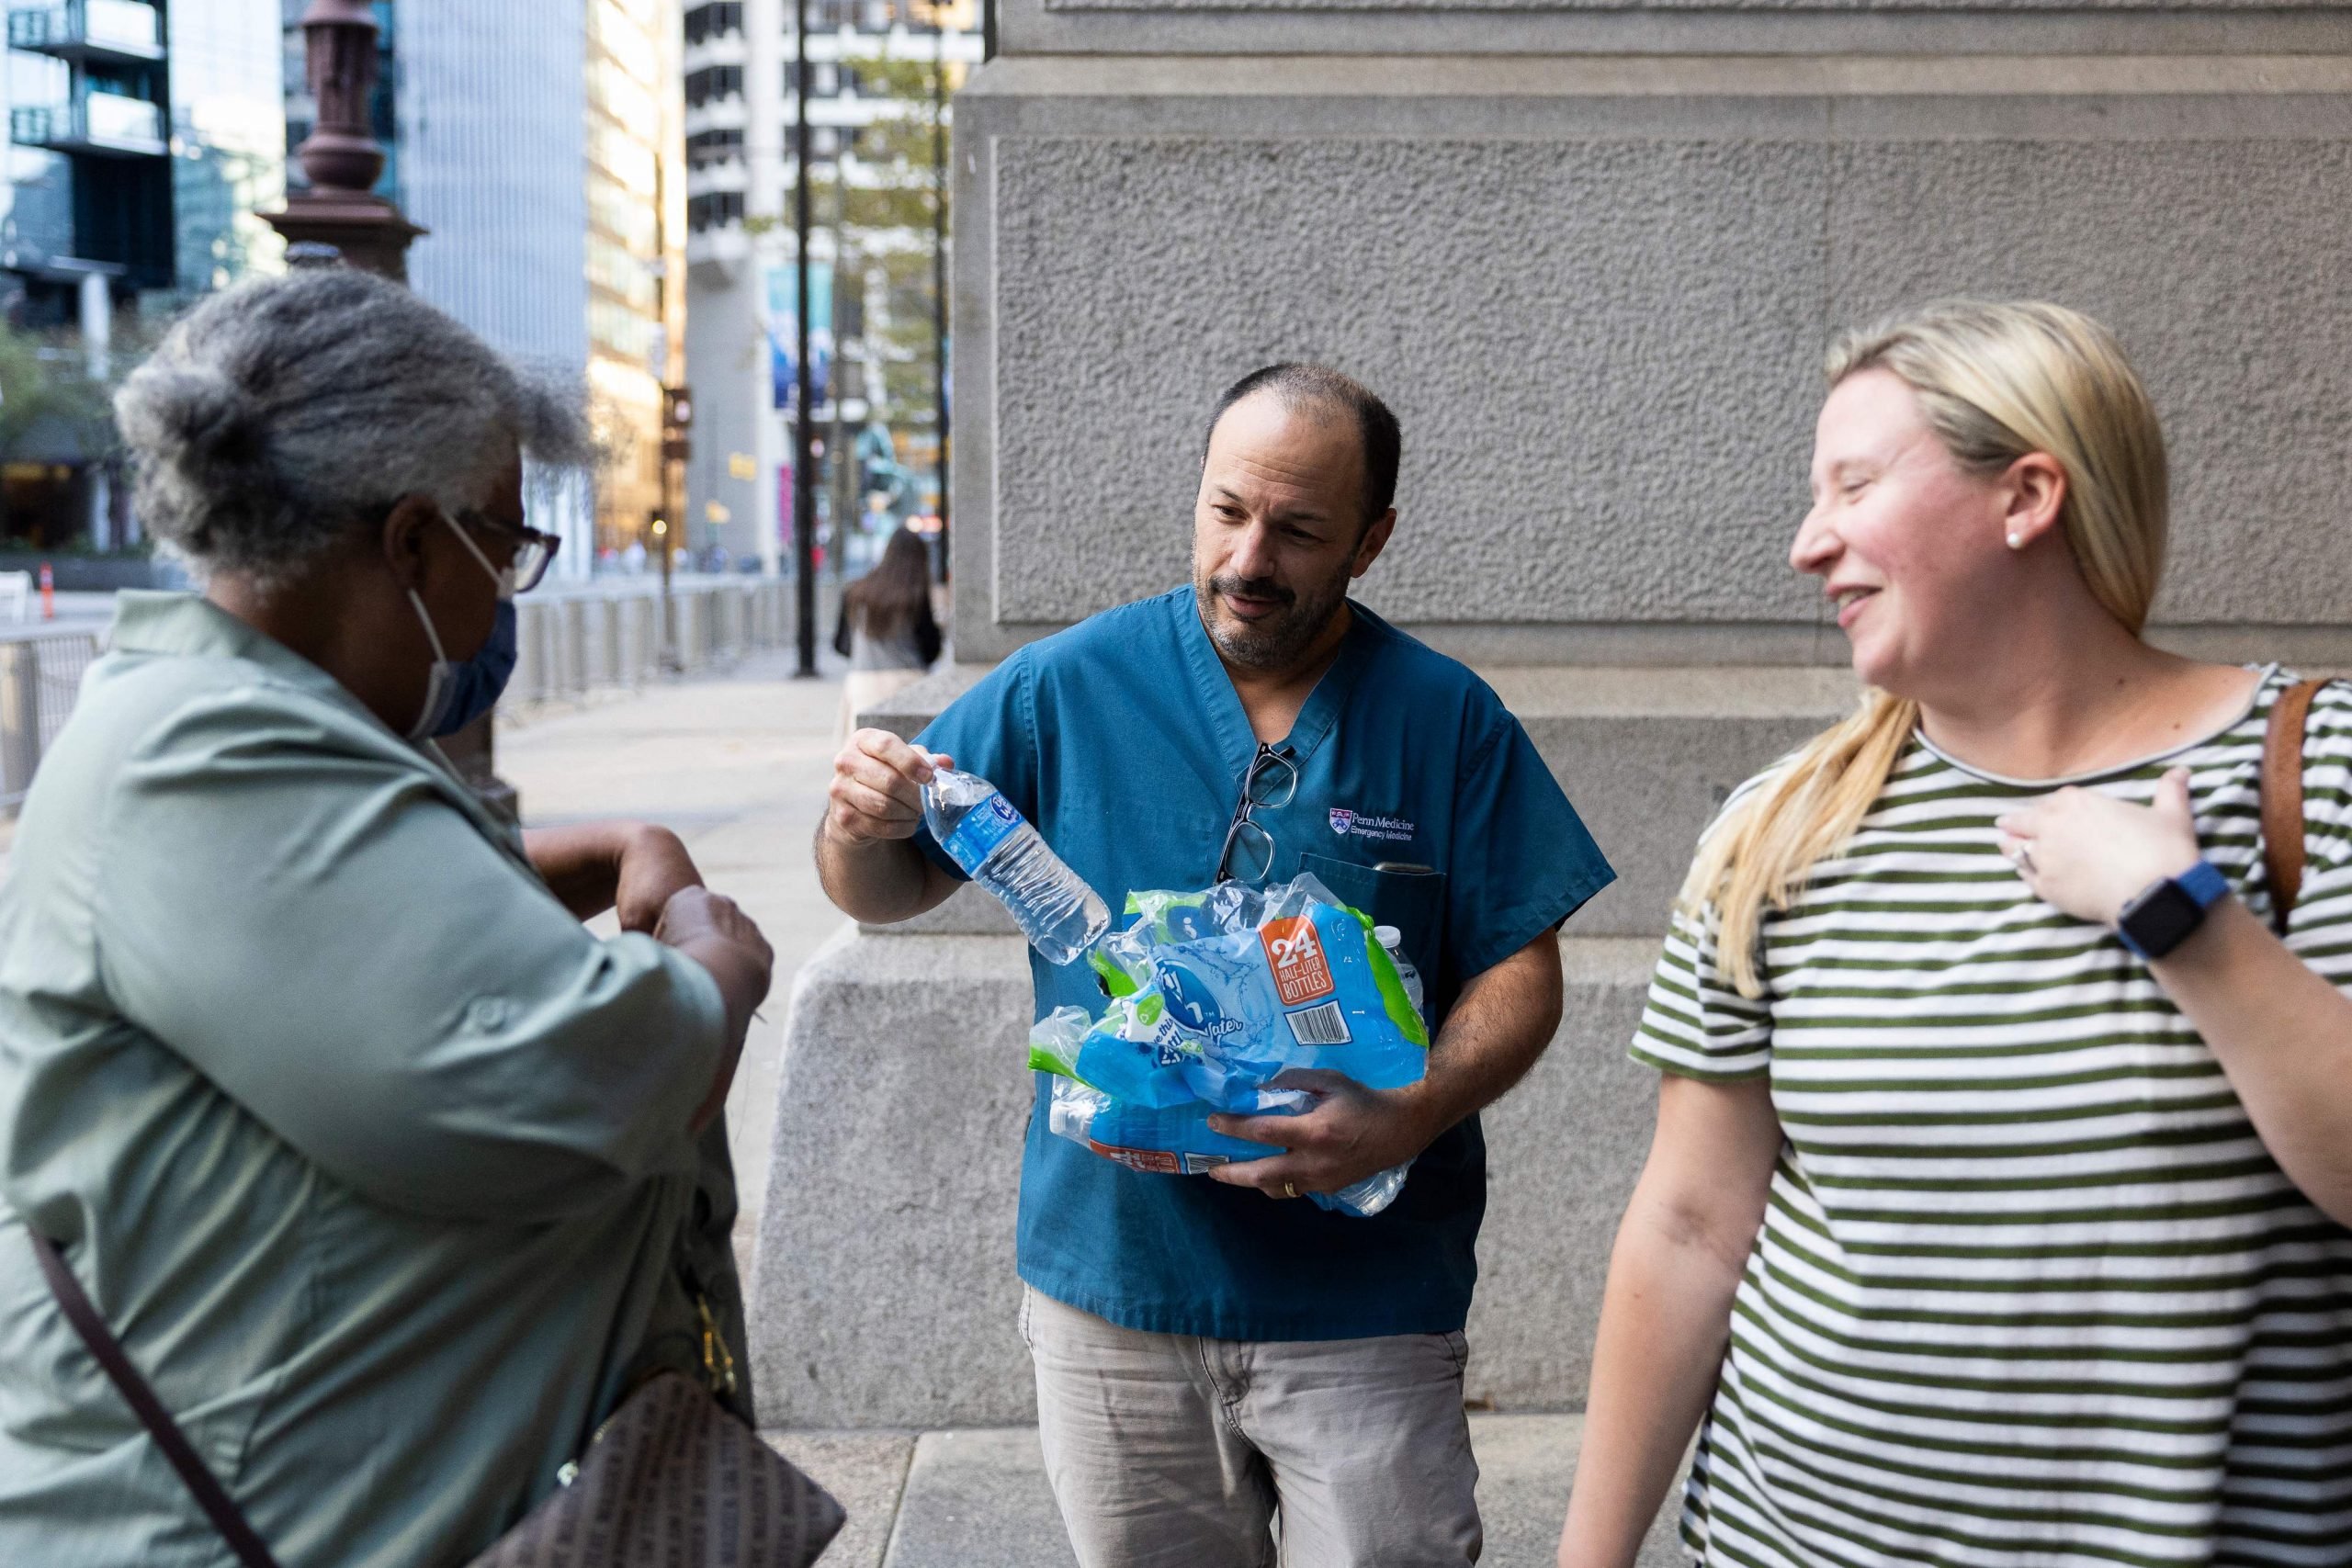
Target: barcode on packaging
(1325, 1025)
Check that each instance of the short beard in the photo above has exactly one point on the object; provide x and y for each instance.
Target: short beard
(1274, 645)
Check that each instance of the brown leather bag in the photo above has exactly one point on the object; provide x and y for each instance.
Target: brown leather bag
(674, 1479)
(2282, 799)
(671, 1479)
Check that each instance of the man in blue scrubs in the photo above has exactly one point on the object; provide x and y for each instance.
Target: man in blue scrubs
(1212, 1354)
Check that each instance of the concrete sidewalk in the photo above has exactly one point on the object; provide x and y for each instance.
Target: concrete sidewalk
(978, 1498)
(738, 766)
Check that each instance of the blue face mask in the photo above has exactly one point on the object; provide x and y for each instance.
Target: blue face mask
(472, 688)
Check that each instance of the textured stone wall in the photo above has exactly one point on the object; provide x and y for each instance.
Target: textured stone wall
(1580, 381)
(1600, 320)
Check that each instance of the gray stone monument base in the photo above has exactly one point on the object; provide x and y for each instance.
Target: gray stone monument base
(883, 1277)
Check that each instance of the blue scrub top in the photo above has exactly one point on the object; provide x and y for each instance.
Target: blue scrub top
(1124, 742)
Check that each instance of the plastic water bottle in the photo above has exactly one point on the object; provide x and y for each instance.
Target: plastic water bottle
(1060, 915)
(1394, 941)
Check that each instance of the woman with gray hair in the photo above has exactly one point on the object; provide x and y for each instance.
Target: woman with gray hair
(389, 1175)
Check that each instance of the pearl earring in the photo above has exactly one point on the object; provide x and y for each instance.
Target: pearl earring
(2017, 541)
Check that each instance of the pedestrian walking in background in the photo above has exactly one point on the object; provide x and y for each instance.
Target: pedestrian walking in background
(1213, 1352)
(886, 628)
(391, 1177)
(1996, 1210)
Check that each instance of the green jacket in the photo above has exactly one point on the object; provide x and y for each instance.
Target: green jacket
(372, 1156)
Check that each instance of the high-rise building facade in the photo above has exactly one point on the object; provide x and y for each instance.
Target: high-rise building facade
(636, 248)
(228, 140)
(142, 141)
(490, 108)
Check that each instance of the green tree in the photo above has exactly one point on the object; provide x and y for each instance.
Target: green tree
(893, 205)
(48, 400)
(43, 385)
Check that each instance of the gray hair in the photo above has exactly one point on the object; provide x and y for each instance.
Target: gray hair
(280, 415)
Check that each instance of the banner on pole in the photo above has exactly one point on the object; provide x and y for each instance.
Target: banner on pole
(783, 331)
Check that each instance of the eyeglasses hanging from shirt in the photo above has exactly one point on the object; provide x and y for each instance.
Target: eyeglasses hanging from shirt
(1249, 853)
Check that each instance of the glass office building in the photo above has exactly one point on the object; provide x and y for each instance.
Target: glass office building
(143, 138)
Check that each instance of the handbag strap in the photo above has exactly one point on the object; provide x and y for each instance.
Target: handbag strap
(216, 1504)
(2282, 798)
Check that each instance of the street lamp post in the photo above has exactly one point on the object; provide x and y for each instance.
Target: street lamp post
(677, 422)
(836, 452)
(939, 260)
(341, 155)
(804, 456)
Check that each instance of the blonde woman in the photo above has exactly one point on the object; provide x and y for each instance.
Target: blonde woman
(1977, 1230)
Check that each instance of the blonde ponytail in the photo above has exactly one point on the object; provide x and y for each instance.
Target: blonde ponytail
(1760, 852)
(1994, 382)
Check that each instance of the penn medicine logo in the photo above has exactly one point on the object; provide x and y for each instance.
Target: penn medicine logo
(1349, 824)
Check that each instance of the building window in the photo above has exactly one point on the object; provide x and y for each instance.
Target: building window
(716, 20)
(824, 141)
(705, 147)
(715, 210)
(713, 83)
(825, 78)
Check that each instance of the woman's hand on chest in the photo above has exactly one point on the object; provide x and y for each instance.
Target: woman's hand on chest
(2090, 854)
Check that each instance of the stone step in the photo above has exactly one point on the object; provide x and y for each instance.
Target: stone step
(1645, 754)
(1648, 756)
(884, 1293)
(978, 1497)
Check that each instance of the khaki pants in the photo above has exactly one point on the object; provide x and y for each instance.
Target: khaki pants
(1169, 1451)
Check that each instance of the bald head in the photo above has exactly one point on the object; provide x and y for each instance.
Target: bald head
(1320, 393)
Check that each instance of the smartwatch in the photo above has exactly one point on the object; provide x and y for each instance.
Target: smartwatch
(2162, 918)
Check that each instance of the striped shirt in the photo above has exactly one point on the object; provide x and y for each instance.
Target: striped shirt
(2028, 1289)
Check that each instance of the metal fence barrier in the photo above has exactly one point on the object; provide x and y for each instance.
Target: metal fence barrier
(570, 641)
(574, 640)
(40, 673)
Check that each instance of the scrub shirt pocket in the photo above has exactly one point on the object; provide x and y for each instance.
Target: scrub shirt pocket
(1412, 901)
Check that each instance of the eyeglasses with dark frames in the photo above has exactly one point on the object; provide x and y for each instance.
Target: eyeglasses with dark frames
(1249, 853)
(533, 553)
